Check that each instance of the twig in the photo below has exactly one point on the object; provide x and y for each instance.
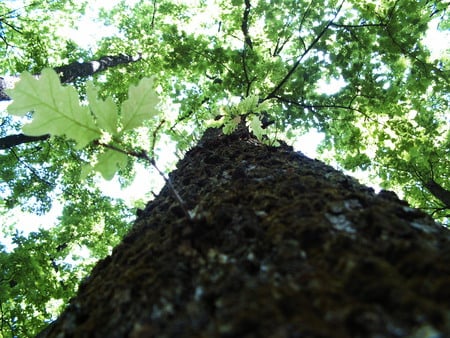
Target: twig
(30, 168)
(155, 132)
(142, 154)
(152, 23)
(299, 60)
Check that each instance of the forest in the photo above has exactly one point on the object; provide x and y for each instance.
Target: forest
(122, 92)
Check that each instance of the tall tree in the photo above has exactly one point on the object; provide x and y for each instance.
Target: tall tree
(277, 245)
(266, 63)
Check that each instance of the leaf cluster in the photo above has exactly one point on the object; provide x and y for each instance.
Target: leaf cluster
(57, 111)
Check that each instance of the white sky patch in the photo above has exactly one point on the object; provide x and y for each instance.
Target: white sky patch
(89, 30)
(26, 222)
(330, 87)
(308, 143)
(437, 41)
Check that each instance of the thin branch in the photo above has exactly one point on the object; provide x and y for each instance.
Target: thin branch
(278, 48)
(169, 183)
(244, 25)
(152, 23)
(15, 28)
(359, 26)
(247, 43)
(247, 79)
(31, 169)
(317, 106)
(336, 106)
(155, 132)
(305, 14)
(5, 41)
(142, 154)
(424, 64)
(299, 60)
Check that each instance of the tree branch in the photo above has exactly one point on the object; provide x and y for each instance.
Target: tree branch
(31, 169)
(143, 155)
(14, 140)
(300, 58)
(439, 192)
(152, 23)
(247, 42)
(247, 79)
(70, 72)
(244, 25)
(359, 26)
(317, 106)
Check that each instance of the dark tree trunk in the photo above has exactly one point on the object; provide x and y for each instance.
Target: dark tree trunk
(280, 246)
(439, 192)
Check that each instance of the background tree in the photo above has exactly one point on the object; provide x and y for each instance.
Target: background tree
(388, 115)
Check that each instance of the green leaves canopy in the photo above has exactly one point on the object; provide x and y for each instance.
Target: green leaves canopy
(387, 113)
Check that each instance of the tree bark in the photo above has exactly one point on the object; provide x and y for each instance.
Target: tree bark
(14, 140)
(439, 192)
(280, 245)
(3, 87)
(67, 73)
(76, 70)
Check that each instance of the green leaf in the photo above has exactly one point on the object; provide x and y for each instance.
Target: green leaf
(140, 105)
(255, 126)
(109, 162)
(56, 109)
(230, 125)
(104, 111)
(248, 105)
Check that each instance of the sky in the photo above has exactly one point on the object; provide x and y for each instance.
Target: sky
(87, 33)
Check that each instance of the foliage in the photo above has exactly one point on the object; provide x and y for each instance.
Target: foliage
(57, 111)
(29, 34)
(248, 109)
(45, 267)
(357, 71)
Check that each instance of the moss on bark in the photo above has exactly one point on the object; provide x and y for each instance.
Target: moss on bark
(280, 246)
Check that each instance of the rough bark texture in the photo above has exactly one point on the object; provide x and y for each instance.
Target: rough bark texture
(281, 246)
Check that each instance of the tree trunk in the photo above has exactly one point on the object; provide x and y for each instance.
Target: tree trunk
(279, 246)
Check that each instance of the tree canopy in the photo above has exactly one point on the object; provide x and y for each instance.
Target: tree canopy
(357, 71)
